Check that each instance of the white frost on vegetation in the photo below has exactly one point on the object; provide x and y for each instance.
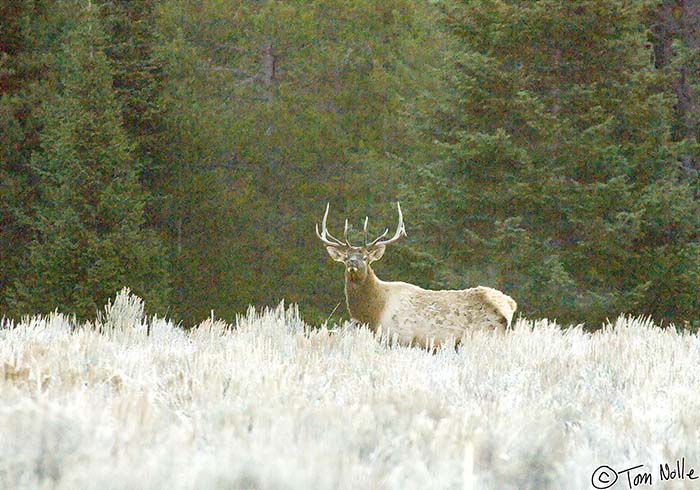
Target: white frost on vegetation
(270, 404)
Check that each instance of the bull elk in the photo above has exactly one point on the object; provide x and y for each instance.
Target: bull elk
(415, 315)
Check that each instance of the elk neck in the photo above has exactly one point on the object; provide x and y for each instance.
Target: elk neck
(365, 298)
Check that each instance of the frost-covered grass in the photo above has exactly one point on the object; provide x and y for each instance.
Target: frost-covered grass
(271, 404)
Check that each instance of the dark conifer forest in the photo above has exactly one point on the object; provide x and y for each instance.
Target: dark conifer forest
(185, 149)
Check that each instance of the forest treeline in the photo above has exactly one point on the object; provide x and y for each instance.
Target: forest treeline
(185, 149)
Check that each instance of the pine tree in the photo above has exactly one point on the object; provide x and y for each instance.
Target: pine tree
(557, 153)
(273, 109)
(27, 32)
(88, 235)
(675, 35)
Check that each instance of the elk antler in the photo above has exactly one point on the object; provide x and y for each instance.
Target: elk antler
(331, 241)
(326, 237)
(400, 231)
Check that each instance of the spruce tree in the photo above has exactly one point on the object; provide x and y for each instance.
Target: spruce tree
(273, 109)
(27, 35)
(558, 164)
(88, 235)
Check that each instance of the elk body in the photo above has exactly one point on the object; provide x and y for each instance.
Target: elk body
(415, 315)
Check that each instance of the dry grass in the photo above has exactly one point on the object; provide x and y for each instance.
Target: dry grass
(269, 405)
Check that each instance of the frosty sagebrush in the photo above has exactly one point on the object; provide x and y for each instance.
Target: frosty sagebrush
(271, 404)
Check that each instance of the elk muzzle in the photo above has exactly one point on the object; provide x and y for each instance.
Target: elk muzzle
(355, 268)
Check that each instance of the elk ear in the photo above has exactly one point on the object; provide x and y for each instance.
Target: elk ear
(376, 253)
(336, 254)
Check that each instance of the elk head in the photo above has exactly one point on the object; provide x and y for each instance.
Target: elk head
(358, 258)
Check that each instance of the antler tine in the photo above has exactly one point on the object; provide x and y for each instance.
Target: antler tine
(400, 232)
(325, 236)
(374, 242)
(364, 230)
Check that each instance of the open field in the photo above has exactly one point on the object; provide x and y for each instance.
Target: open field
(272, 405)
